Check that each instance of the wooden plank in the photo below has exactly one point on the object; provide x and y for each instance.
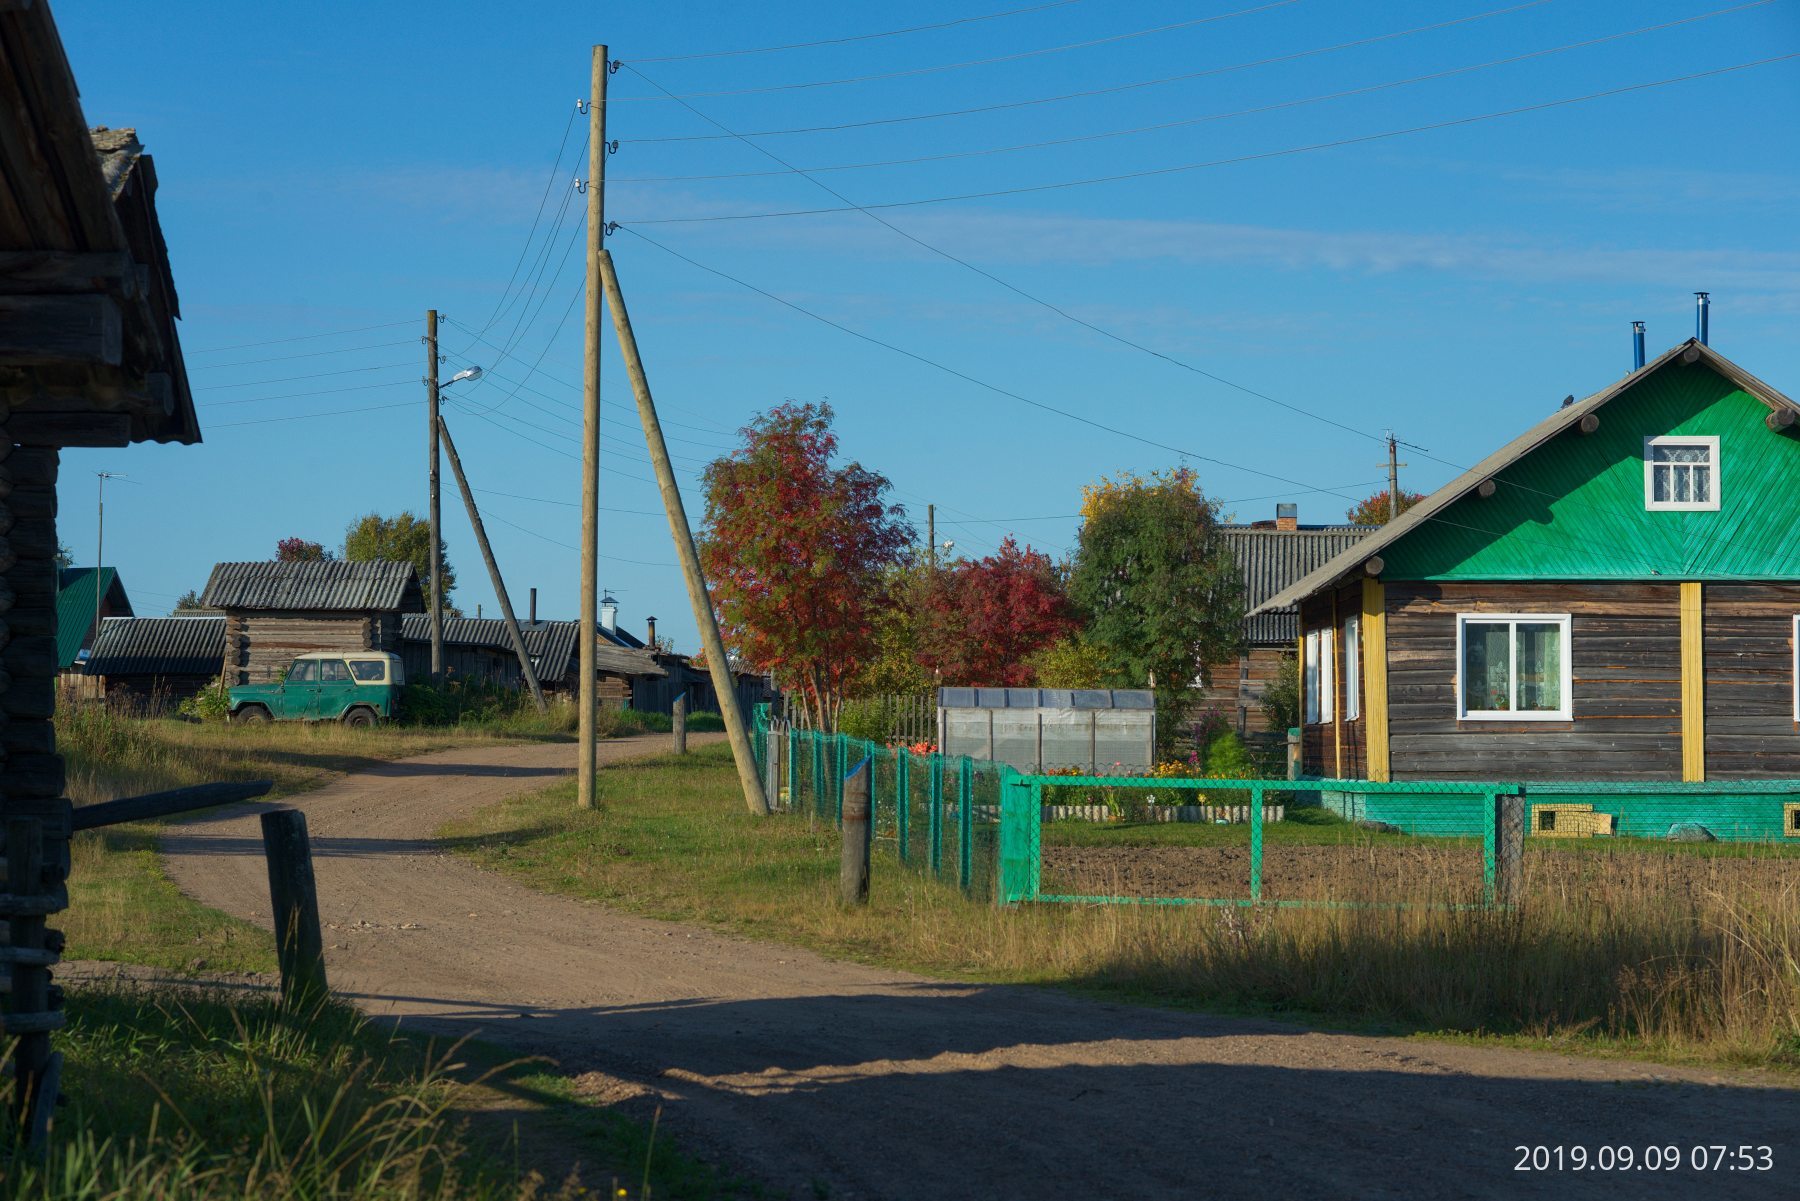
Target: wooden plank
(163, 804)
(69, 428)
(60, 331)
(1377, 752)
(38, 271)
(1693, 683)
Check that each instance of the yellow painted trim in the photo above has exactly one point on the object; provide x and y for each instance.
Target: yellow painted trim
(1693, 684)
(1375, 679)
(1337, 688)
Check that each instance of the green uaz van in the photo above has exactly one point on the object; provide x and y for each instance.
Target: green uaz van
(357, 688)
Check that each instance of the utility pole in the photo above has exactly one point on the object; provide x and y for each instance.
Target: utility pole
(587, 782)
(931, 533)
(1393, 466)
(487, 554)
(100, 554)
(716, 661)
(437, 536)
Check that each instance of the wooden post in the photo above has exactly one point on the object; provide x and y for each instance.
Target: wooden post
(1509, 849)
(294, 901)
(487, 554)
(1693, 681)
(773, 744)
(853, 857)
(587, 700)
(30, 1018)
(436, 514)
(680, 724)
(717, 662)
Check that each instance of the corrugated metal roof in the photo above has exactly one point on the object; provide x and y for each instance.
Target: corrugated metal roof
(1271, 559)
(75, 608)
(552, 645)
(376, 586)
(1342, 565)
(161, 646)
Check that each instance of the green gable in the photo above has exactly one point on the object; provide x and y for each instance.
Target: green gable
(75, 609)
(1574, 507)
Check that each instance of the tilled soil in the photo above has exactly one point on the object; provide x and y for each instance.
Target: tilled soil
(831, 1079)
(1401, 872)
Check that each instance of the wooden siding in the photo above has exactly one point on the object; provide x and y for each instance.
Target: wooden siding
(1749, 649)
(1237, 689)
(1626, 660)
(259, 645)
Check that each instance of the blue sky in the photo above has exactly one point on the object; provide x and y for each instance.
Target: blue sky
(331, 168)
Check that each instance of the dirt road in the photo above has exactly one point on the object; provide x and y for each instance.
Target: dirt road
(832, 1079)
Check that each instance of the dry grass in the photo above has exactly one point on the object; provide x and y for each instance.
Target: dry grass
(1600, 958)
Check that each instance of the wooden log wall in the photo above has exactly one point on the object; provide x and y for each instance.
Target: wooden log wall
(1626, 667)
(1748, 648)
(260, 645)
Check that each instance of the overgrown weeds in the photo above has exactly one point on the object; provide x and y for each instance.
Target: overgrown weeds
(1599, 957)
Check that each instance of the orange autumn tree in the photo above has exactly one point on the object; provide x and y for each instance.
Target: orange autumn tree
(985, 618)
(796, 552)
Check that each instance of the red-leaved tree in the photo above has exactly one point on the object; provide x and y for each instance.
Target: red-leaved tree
(983, 618)
(794, 551)
(1375, 510)
(299, 550)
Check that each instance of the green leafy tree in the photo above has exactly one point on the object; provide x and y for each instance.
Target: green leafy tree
(299, 550)
(892, 667)
(403, 538)
(1281, 695)
(1159, 586)
(189, 602)
(1073, 662)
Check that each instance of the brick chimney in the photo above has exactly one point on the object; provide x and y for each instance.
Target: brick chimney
(650, 632)
(1287, 517)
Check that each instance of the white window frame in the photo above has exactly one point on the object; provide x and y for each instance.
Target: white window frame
(1566, 713)
(1652, 505)
(1309, 680)
(1327, 676)
(1353, 667)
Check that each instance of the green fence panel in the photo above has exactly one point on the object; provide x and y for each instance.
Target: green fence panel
(936, 836)
(903, 802)
(965, 824)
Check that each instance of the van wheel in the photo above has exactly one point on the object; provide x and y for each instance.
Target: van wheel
(360, 718)
(252, 715)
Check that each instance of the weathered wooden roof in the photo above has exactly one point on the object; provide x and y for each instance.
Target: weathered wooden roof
(334, 585)
(1349, 562)
(159, 646)
(75, 607)
(1271, 559)
(89, 353)
(553, 645)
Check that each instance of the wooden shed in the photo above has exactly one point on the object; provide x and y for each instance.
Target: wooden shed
(1614, 595)
(147, 665)
(275, 611)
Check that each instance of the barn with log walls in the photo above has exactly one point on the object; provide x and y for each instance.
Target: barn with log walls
(275, 611)
(1612, 596)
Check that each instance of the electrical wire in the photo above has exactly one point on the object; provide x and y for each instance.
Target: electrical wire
(1237, 159)
(1113, 88)
(311, 354)
(250, 400)
(536, 220)
(336, 333)
(861, 37)
(405, 404)
(977, 62)
(289, 379)
(1190, 121)
(572, 504)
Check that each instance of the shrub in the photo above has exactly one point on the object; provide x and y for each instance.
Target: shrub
(1228, 759)
(211, 703)
(1281, 698)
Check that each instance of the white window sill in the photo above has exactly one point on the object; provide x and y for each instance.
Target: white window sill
(1527, 715)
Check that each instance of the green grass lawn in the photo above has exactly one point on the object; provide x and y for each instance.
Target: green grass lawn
(202, 1094)
(1620, 963)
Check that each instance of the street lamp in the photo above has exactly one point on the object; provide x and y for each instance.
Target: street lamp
(465, 373)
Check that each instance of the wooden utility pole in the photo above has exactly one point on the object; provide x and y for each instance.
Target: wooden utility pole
(487, 553)
(431, 474)
(931, 534)
(586, 776)
(1394, 466)
(716, 661)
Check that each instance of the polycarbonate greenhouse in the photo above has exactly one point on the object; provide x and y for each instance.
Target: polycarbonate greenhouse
(1101, 731)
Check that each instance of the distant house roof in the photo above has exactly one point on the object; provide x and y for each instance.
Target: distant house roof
(159, 646)
(75, 608)
(1347, 563)
(375, 586)
(552, 645)
(1271, 559)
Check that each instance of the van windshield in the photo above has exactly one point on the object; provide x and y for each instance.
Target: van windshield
(369, 671)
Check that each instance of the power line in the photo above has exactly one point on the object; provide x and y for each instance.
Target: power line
(573, 504)
(250, 400)
(1114, 88)
(311, 354)
(1190, 121)
(405, 404)
(289, 379)
(615, 558)
(336, 333)
(977, 62)
(1244, 158)
(555, 171)
(861, 37)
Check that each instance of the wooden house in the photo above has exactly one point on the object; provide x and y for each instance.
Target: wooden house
(480, 649)
(146, 665)
(75, 609)
(1272, 555)
(274, 611)
(1612, 595)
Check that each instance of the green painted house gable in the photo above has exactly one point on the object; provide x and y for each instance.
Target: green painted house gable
(75, 609)
(1573, 507)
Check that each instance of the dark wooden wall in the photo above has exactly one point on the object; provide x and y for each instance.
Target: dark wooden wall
(1236, 690)
(258, 645)
(1339, 747)
(1626, 659)
(1748, 641)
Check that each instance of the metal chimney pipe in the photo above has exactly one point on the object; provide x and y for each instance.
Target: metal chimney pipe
(1702, 304)
(534, 590)
(1637, 345)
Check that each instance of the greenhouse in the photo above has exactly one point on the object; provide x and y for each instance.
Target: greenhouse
(1100, 731)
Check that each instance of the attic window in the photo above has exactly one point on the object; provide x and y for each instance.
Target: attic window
(1681, 474)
